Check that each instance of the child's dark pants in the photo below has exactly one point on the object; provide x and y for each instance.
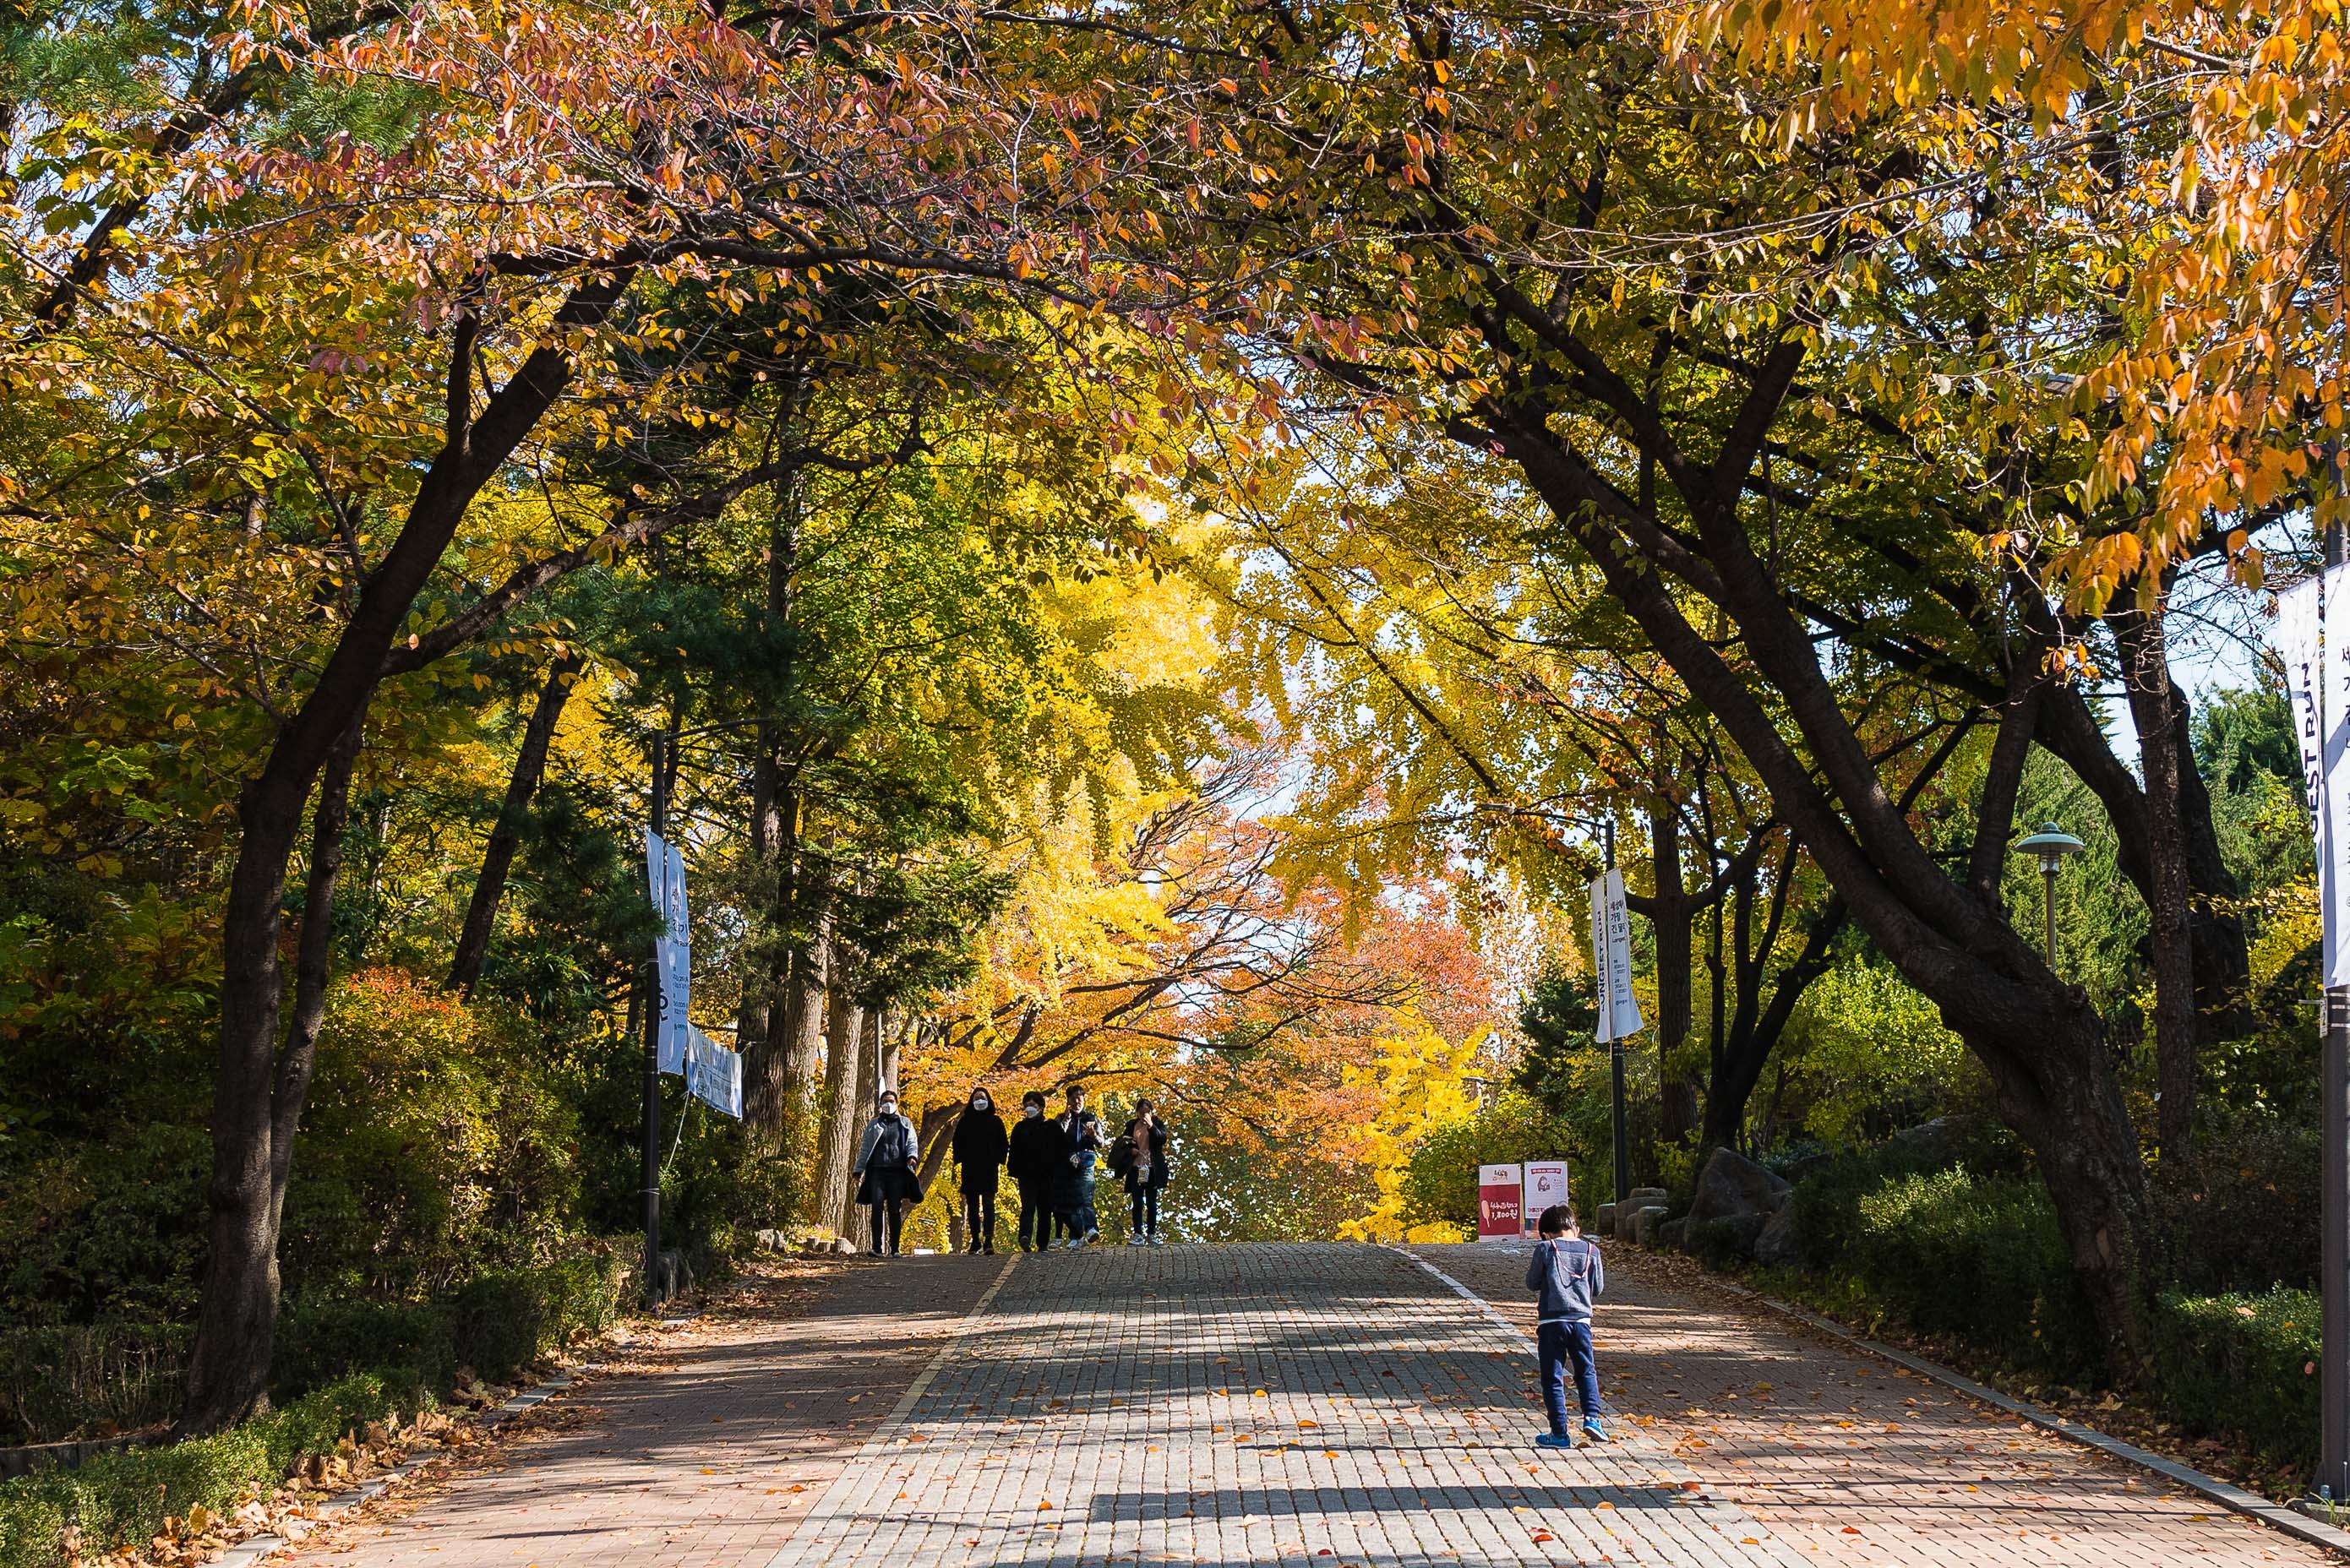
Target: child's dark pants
(1557, 1344)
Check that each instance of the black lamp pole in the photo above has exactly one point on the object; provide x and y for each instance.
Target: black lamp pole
(2334, 1351)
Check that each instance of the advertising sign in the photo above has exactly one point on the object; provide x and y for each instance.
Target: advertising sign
(673, 954)
(1611, 959)
(714, 1074)
(1545, 1185)
(1501, 1201)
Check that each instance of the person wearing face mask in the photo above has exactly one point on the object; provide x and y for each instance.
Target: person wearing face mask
(1140, 1156)
(1073, 1199)
(885, 1169)
(1038, 1151)
(979, 1151)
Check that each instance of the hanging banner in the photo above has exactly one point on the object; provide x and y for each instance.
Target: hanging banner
(714, 1074)
(2313, 639)
(1545, 1185)
(672, 952)
(1501, 1201)
(1611, 958)
(1604, 1030)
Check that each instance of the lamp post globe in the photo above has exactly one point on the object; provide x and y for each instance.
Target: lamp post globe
(2051, 844)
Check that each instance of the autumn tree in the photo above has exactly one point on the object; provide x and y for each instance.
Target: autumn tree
(355, 276)
(1786, 393)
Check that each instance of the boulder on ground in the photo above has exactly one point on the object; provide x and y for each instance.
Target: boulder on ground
(1945, 1140)
(1731, 1184)
(1645, 1220)
(1673, 1232)
(1806, 1166)
(1639, 1197)
(1779, 1245)
(1722, 1240)
(1603, 1220)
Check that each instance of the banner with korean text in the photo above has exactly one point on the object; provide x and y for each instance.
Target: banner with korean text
(673, 950)
(1501, 1201)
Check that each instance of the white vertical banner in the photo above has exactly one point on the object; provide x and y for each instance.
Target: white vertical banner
(1622, 1004)
(2334, 844)
(714, 1074)
(673, 950)
(2314, 638)
(1606, 1030)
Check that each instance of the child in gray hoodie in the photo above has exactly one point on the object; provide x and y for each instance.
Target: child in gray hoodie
(1567, 1276)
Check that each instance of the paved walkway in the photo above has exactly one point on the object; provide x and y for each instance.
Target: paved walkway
(1249, 1405)
(1853, 1460)
(708, 1452)
(1334, 1406)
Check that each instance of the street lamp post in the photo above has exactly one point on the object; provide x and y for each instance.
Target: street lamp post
(2051, 844)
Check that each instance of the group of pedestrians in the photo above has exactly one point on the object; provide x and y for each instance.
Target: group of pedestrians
(1053, 1161)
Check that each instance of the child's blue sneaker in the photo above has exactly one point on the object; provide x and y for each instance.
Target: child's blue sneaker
(1594, 1431)
(1552, 1441)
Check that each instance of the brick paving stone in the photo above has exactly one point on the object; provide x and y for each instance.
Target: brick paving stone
(1321, 1404)
(710, 1459)
(1326, 1406)
(1853, 1460)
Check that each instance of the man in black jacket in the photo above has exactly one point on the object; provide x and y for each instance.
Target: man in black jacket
(1038, 1154)
(1074, 1203)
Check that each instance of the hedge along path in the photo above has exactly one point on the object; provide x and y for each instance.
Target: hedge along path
(708, 1453)
(1857, 1461)
(245, 1553)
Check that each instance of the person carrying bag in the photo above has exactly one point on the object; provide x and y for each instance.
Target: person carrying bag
(885, 1172)
(1140, 1157)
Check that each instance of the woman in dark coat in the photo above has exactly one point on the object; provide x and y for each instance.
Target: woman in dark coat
(885, 1171)
(980, 1147)
(1142, 1149)
(1039, 1150)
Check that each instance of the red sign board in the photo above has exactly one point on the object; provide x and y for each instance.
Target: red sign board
(1501, 1201)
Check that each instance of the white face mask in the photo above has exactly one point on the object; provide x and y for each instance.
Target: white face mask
(1032, 1110)
(888, 1107)
(983, 1104)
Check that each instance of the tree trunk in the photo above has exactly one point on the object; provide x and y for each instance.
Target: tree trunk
(803, 1017)
(938, 1125)
(2222, 958)
(779, 1071)
(229, 1364)
(256, 1110)
(888, 1048)
(2222, 961)
(844, 1074)
(497, 855)
(2146, 677)
(755, 1023)
(1754, 1028)
(1670, 922)
(2038, 1038)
